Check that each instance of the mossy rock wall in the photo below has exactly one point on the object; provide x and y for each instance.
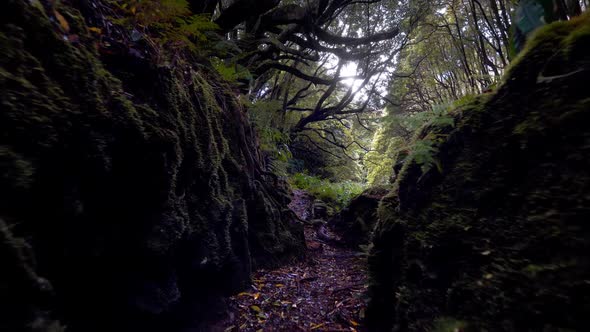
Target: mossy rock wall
(356, 221)
(130, 202)
(499, 239)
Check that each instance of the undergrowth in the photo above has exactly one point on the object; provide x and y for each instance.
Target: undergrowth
(168, 23)
(337, 193)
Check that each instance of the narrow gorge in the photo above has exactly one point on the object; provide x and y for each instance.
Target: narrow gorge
(211, 166)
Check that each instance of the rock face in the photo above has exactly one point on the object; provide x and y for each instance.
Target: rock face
(132, 197)
(319, 209)
(355, 222)
(499, 239)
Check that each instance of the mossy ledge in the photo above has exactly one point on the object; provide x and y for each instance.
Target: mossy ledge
(498, 239)
(132, 197)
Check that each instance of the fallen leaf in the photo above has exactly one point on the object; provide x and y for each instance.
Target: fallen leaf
(317, 326)
(256, 296)
(255, 308)
(353, 323)
(62, 21)
(95, 30)
(244, 294)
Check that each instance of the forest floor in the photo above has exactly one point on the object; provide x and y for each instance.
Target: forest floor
(323, 292)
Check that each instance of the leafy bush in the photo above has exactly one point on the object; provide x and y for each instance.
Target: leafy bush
(168, 23)
(337, 193)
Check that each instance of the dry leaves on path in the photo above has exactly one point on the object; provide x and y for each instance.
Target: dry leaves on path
(325, 292)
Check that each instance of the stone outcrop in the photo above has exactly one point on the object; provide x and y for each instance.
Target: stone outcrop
(132, 195)
(355, 222)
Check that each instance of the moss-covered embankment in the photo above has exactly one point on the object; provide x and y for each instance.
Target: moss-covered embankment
(128, 203)
(355, 222)
(499, 238)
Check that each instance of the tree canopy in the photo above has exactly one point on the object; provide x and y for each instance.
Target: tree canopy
(341, 87)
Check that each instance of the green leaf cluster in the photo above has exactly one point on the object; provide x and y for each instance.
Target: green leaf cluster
(423, 152)
(232, 71)
(169, 23)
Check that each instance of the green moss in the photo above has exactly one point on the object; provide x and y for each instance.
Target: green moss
(497, 236)
(134, 177)
(555, 40)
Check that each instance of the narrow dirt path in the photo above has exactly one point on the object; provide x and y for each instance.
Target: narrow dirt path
(325, 292)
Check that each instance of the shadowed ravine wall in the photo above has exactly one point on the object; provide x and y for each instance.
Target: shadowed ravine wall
(132, 196)
(497, 237)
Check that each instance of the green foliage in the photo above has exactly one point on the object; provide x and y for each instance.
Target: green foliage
(231, 72)
(437, 116)
(423, 153)
(382, 159)
(329, 149)
(540, 128)
(337, 193)
(267, 119)
(169, 23)
(390, 147)
(274, 142)
(464, 101)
